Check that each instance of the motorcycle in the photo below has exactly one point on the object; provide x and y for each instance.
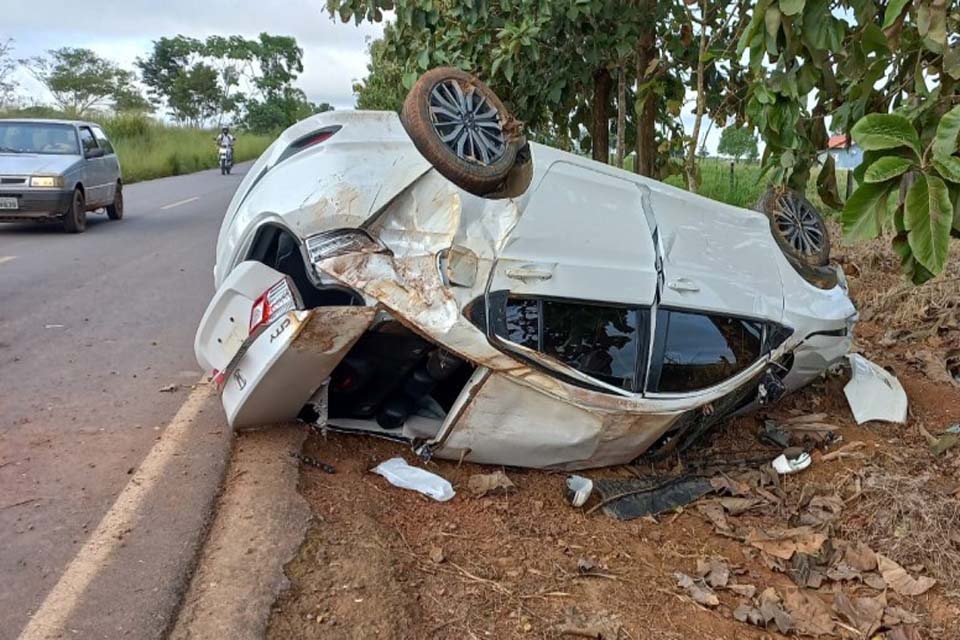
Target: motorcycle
(226, 159)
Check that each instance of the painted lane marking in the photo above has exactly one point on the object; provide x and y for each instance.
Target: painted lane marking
(179, 203)
(6, 259)
(63, 599)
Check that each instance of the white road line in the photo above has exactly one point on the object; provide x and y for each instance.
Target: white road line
(179, 203)
(50, 618)
(6, 259)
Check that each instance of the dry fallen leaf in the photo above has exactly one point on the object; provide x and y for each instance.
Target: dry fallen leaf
(860, 557)
(772, 609)
(843, 571)
(600, 626)
(900, 581)
(714, 571)
(892, 616)
(736, 506)
(746, 613)
(874, 581)
(437, 555)
(730, 486)
(700, 594)
(809, 613)
(713, 511)
(784, 543)
(863, 613)
(483, 483)
(745, 590)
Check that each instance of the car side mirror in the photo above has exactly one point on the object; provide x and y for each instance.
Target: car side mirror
(94, 153)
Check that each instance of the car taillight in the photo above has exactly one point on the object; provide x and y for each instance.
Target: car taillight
(274, 302)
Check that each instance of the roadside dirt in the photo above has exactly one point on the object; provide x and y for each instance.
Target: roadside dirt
(387, 563)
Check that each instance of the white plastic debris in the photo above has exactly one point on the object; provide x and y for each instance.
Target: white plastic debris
(578, 490)
(400, 474)
(785, 466)
(874, 394)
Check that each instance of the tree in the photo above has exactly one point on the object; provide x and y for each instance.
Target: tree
(737, 142)
(382, 89)
(200, 79)
(8, 85)
(78, 79)
(885, 71)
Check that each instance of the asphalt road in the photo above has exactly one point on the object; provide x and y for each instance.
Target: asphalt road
(92, 327)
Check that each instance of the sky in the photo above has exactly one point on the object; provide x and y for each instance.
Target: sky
(334, 53)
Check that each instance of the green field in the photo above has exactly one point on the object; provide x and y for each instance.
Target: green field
(148, 148)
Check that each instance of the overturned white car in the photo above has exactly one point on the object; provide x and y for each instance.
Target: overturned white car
(434, 278)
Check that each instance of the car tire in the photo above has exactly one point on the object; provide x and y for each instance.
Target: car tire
(115, 210)
(75, 219)
(797, 226)
(460, 125)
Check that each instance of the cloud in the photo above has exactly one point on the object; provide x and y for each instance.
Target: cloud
(335, 54)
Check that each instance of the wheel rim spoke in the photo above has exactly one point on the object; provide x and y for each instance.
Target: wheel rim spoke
(467, 123)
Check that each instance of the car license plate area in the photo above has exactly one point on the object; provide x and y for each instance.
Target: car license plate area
(9, 204)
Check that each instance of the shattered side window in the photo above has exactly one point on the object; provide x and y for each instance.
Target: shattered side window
(523, 322)
(696, 351)
(599, 341)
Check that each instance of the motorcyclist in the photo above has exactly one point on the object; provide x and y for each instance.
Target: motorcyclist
(225, 140)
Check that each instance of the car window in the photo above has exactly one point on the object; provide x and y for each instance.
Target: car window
(87, 140)
(102, 140)
(601, 341)
(694, 351)
(37, 137)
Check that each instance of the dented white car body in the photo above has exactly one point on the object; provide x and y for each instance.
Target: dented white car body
(594, 317)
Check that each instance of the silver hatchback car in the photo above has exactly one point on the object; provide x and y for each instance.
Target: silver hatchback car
(57, 170)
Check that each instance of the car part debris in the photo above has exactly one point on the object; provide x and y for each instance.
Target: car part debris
(785, 466)
(774, 434)
(578, 490)
(873, 393)
(400, 474)
(629, 499)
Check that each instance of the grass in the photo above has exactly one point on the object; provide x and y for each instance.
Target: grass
(149, 148)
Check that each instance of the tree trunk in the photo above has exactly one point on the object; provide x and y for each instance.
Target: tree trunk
(690, 166)
(621, 114)
(600, 117)
(646, 111)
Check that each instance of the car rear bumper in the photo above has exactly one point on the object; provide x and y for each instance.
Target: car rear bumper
(36, 204)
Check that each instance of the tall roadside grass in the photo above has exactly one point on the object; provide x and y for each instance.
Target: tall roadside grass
(149, 148)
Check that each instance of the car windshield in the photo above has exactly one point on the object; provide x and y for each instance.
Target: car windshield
(38, 137)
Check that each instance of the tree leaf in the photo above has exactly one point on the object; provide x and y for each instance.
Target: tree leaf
(886, 168)
(945, 142)
(791, 7)
(928, 218)
(894, 9)
(827, 184)
(948, 168)
(772, 20)
(885, 131)
(863, 214)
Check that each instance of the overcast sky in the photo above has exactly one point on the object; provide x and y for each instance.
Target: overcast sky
(334, 53)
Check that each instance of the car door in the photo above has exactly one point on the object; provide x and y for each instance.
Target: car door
(721, 299)
(111, 164)
(95, 175)
(573, 286)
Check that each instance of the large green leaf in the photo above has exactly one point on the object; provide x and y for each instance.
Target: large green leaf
(791, 7)
(928, 218)
(886, 168)
(864, 212)
(945, 143)
(948, 167)
(894, 9)
(885, 131)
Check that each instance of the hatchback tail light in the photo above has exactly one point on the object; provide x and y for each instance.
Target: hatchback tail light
(275, 301)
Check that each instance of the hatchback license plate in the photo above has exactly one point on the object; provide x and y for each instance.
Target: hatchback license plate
(9, 204)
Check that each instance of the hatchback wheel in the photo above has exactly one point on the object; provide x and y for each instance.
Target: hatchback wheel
(115, 210)
(460, 125)
(75, 219)
(797, 226)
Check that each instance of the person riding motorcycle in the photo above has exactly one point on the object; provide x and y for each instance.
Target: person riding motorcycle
(225, 141)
